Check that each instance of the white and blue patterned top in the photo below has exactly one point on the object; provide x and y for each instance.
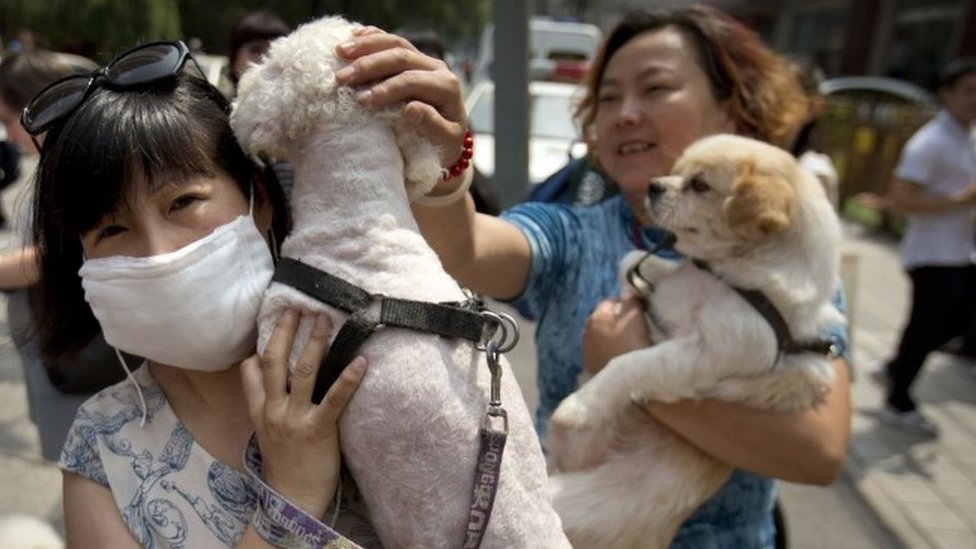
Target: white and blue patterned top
(170, 491)
(575, 253)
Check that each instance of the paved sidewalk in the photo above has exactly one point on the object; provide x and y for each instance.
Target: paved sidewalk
(923, 490)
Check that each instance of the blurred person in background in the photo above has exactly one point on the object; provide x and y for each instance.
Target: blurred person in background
(55, 388)
(807, 142)
(9, 168)
(249, 40)
(935, 186)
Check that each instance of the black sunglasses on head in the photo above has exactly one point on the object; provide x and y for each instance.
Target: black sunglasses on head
(141, 65)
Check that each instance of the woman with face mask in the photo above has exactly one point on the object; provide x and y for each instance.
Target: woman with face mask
(662, 80)
(153, 225)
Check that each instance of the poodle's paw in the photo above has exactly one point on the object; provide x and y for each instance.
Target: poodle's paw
(579, 436)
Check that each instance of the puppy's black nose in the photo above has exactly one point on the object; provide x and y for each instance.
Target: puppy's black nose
(655, 190)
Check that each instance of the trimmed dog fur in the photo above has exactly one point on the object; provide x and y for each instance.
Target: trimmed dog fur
(410, 434)
(760, 222)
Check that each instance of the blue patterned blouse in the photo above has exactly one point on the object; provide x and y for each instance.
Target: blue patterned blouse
(170, 491)
(575, 253)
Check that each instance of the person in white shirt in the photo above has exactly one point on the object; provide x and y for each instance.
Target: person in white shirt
(935, 186)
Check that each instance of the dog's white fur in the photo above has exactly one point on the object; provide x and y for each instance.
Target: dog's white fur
(410, 434)
(760, 222)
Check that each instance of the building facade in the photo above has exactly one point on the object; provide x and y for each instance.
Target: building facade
(904, 39)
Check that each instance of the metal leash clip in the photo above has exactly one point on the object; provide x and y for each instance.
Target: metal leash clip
(507, 330)
(495, 409)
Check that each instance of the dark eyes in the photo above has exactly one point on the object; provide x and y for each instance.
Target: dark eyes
(698, 184)
(108, 231)
(183, 201)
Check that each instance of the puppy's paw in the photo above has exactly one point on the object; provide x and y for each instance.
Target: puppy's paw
(572, 413)
(579, 438)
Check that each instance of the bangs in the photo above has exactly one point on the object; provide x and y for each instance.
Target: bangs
(130, 138)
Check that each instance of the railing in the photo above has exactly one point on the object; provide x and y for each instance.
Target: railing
(863, 128)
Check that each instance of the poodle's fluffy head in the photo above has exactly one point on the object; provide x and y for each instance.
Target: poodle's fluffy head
(292, 94)
(729, 194)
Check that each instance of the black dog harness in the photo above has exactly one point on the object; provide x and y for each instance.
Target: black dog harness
(461, 319)
(467, 320)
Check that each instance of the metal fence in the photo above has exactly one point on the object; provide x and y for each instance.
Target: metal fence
(865, 123)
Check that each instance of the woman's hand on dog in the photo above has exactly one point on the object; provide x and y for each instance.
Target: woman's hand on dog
(299, 440)
(615, 327)
(388, 70)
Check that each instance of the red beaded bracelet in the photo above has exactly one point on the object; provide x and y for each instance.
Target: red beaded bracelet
(463, 161)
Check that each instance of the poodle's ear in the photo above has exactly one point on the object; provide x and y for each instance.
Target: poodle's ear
(761, 203)
(421, 161)
(259, 128)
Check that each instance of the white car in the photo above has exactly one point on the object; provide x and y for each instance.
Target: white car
(553, 138)
(550, 42)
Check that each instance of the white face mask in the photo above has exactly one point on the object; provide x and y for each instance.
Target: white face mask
(195, 308)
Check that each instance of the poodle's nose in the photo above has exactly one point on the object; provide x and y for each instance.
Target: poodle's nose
(655, 190)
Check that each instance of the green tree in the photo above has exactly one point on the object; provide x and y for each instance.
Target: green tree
(102, 28)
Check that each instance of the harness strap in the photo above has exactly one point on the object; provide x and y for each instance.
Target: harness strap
(320, 285)
(454, 320)
(784, 337)
(354, 332)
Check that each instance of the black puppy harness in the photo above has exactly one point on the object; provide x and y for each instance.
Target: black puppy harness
(785, 343)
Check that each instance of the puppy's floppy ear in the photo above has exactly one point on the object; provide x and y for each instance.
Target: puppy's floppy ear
(760, 202)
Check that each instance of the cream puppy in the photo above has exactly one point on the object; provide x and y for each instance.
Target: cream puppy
(746, 217)
(410, 436)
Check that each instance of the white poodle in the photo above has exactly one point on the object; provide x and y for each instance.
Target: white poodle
(754, 221)
(411, 435)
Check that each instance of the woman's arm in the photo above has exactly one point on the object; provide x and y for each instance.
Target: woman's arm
(807, 446)
(907, 197)
(485, 254)
(91, 517)
(18, 268)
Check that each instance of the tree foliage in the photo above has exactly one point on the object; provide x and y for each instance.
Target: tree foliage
(101, 28)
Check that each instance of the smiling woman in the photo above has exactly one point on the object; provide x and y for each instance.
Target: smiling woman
(661, 80)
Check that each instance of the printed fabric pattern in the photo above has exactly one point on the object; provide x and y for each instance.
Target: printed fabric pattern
(170, 491)
(575, 252)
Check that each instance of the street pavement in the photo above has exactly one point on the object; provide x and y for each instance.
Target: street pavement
(896, 490)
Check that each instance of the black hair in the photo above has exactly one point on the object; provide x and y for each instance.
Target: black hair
(255, 25)
(955, 71)
(164, 131)
(763, 96)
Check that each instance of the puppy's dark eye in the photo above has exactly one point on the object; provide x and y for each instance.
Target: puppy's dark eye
(698, 184)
